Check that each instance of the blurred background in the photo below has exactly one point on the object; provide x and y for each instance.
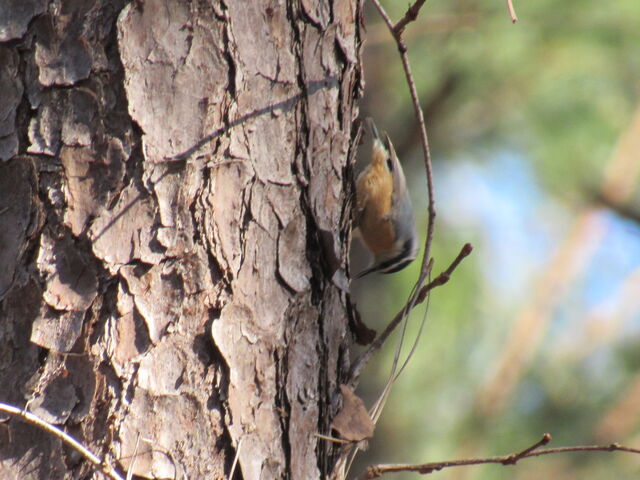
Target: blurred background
(535, 136)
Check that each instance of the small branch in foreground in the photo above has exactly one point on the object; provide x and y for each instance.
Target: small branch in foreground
(329, 438)
(29, 417)
(512, 11)
(410, 16)
(534, 450)
(420, 296)
(514, 457)
(235, 459)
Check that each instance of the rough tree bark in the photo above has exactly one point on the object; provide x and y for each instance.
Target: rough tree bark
(174, 225)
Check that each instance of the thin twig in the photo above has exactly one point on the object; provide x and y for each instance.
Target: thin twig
(29, 417)
(396, 32)
(514, 457)
(425, 269)
(431, 209)
(410, 16)
(235, 459)
(512, 11)
(329, 438)
(419, 297)
(134, 457)
(534, 450)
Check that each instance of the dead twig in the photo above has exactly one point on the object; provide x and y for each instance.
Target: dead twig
(512, 11)
(426, 259)
(419, 297)
(133, 459)
(410, 16)
(329, 438)
(534, 450)
(235, 459)
(29, 417)
(420, 290)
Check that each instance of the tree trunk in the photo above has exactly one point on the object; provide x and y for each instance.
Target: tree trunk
(174, 233)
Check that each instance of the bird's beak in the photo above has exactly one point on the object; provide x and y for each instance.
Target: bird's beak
(372, 127)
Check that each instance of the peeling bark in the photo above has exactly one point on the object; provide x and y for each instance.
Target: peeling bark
(174, 233)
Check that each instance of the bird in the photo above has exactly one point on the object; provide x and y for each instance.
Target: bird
(384, 215)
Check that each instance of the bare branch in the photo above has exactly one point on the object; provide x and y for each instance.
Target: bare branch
(329, 438)
(513, 458)
(410, 16)
(424, 269)
(420, 290)
(512, 11)
(417, 299)
(29, 417)
(235, 459)
(534, 450)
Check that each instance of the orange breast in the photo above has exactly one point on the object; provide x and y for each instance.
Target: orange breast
(374, 189)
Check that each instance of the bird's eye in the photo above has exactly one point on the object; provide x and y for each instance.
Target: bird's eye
(390, 164)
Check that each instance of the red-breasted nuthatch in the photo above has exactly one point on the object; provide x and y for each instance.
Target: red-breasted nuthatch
(384, 212)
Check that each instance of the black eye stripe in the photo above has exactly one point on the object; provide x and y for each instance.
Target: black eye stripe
(399, 266)
(393, 265)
